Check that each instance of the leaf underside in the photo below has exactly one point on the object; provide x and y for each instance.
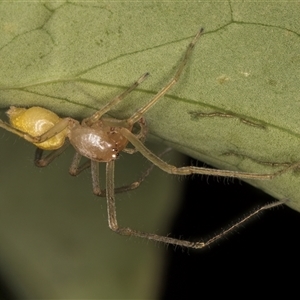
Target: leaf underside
(235, 106)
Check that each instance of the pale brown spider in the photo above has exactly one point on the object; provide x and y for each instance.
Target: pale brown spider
(100, 139)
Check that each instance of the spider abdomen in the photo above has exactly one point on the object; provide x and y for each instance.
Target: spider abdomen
(99, 143)
(36, 121)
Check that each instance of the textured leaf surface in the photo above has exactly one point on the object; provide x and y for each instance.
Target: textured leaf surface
(72, 57)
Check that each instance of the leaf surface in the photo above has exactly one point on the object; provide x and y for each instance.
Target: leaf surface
(73, 57)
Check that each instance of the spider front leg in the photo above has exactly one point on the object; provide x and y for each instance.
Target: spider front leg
(98, 114)
(113, 223)
(137, 115)
(197, 170)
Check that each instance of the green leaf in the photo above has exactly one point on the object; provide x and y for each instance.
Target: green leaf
(72, 57)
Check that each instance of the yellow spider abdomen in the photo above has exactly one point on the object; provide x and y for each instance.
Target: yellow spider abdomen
(35, 121)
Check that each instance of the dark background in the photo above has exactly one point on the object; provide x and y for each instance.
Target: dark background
(261, 256)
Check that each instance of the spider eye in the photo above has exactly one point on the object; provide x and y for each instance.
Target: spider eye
(115, 153)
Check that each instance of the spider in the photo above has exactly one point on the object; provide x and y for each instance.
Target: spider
(101, 139)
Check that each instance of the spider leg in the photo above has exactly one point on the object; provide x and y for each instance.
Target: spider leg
(97, 115)
(15, 131)
(95, 178)
(141, 135)
(138, 114)
(113, 223)
(112, 216)
(41, 161)
(57, 128)
(144, 130)
(134, 185)
(243, 220)
(197, 170)
(102, 192)
(75, 169)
